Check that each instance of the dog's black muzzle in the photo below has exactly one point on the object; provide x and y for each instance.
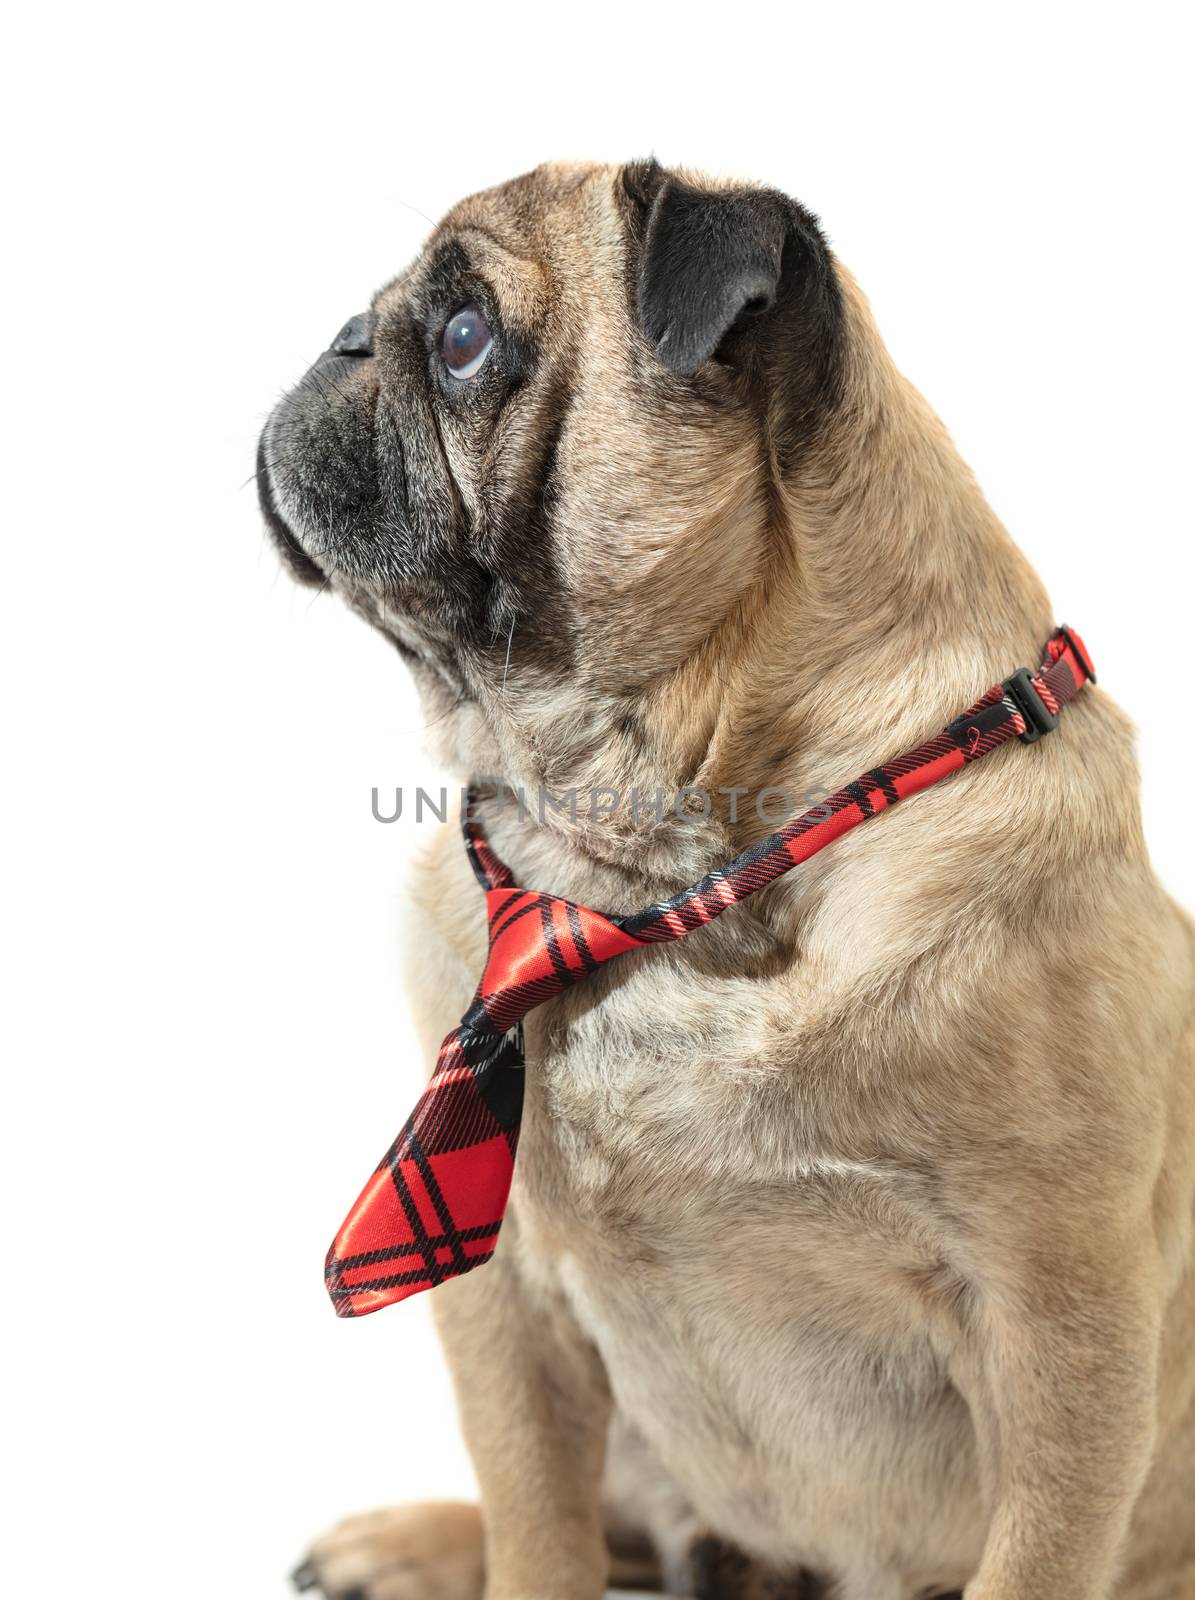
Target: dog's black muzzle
(317, 448)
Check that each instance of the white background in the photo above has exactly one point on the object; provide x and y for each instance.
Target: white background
(210, 1047)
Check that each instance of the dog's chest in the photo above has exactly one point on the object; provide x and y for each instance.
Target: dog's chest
(791, 1390)
(768, 1307)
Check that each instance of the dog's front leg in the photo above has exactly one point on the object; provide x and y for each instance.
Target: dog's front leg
(534, 1408)
(1059, 1368)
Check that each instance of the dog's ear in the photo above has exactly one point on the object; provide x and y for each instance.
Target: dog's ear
(709, 259)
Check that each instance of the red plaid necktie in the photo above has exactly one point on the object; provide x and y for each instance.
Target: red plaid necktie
(433, 1208)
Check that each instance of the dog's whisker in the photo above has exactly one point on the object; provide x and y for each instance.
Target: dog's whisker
(322, 590)
(509, 641)
(407, 204)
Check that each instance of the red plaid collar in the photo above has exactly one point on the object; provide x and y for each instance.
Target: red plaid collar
(435, 1203)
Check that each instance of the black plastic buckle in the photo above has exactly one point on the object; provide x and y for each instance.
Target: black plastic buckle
(967, 730)
(1036, 715)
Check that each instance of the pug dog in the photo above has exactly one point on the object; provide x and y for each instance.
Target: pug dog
(850, 1251)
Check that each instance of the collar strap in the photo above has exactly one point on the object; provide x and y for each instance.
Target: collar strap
(435, 1203)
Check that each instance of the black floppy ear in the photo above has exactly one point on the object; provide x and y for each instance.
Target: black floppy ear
(709, 258)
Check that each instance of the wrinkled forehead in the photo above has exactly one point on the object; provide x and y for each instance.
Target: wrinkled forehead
(535, 242)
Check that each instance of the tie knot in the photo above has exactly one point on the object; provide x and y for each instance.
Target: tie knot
(539, 946)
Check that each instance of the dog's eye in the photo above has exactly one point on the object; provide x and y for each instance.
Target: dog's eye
(466, 343)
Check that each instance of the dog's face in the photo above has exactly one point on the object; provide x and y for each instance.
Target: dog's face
(542, 458)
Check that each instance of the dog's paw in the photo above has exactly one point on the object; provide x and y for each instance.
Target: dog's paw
(417, 1552)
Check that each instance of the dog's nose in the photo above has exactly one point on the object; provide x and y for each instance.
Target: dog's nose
(356, 337)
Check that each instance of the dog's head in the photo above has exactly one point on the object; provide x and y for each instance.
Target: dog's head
(541, 462)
